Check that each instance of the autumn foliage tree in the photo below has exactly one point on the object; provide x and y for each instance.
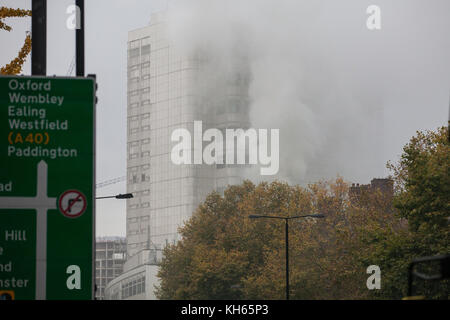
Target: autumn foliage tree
(423, 199)
(225, 255)
(15, 66)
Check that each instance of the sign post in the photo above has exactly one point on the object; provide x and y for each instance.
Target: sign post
(47, 219)
(39, 37)
(79, 40)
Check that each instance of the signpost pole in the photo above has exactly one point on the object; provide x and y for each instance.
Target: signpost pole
(39, 37)
(79, 42)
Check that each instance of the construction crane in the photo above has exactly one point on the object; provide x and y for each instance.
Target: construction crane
(71, 67)
(110, 182)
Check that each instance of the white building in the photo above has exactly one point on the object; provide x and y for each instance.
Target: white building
(138, 282)
(168, 91)
(110, 256)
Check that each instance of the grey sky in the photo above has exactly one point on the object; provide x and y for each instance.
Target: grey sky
(402, 69)
(345, 98)
(107, 26)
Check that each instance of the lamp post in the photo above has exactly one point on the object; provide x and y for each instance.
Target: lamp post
(119, 196)
(286, 219)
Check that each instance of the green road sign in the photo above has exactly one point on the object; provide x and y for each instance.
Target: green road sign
(47, 187)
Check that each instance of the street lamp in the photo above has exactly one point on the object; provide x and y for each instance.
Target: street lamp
(119, 196)
(286, 219)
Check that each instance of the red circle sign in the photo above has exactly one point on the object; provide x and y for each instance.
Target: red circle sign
(72, 204)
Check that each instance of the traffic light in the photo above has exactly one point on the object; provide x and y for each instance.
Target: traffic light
(445, 267)
(444, 262)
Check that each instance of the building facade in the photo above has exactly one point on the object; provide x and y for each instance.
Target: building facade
(138, 282)
(169, 91)
(110, 256)
(383, 188)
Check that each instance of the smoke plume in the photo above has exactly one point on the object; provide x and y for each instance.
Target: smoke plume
(316, 73)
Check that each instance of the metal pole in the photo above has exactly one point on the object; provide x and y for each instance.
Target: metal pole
(287, 259)
(287, 239)
(410, 279)
(39, 38)
(109, 197)
(79, 41)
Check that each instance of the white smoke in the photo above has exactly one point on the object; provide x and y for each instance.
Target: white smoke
(317, 74)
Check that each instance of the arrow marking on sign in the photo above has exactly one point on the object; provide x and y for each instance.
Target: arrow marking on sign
(41, 203)
(71, 204)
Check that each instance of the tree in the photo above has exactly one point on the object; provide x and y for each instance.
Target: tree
(15, 66)
(423, 199)
(423, 180)
(225, 255)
